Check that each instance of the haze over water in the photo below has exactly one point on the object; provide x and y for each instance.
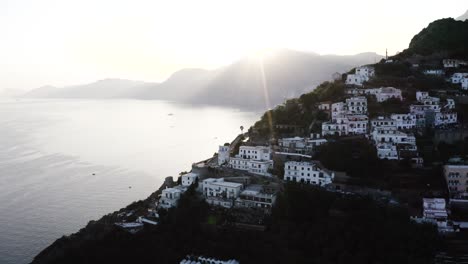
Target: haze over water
(50, 149)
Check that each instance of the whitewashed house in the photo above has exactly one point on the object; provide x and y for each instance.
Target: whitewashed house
(383, 123)
(189, 178)
(435, 212)
(357, 124)
(219, 192)
(356, 105)
(404, 121)
(307, 172)
(254, 197)
(386, 93)
(254, 159)
(361, 75)
(387, 151)
(392, 136)
(421, 95)
(458, 77)
(223, 155)
(338, 110)
(445, 118)
(338, 127)
(170, 197)
(432, 102)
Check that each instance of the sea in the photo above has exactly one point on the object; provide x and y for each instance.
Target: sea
(64, 162)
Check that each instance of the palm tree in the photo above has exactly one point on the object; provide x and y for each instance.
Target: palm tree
(242, 129)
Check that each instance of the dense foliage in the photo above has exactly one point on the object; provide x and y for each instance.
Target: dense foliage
(441, 36)
(309, 225)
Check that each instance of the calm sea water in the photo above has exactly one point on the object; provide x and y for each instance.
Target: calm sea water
(50, 149)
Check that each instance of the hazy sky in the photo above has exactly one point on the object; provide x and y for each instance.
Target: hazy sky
(63, 42)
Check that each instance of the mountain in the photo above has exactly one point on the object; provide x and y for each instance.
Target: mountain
(444, 36)
(107, 88)
(463, 17)
(287, 74)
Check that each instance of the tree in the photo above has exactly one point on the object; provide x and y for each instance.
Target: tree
(242, 129)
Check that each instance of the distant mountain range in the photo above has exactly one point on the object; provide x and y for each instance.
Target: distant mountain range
(247, 83)
(463, 17)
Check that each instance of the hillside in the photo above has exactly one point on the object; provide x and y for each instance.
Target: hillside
(287, 74)
(447, 37)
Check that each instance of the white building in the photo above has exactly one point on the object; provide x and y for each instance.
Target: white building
(392, 136)
(445, 118)
(361, 75)
(404, 121)
(450, 104)
(356, 105)
(357, 124)
(206, 260)
(189, 178)
(432, 102)
(254, 197)
(421, 95)
(255, 152)
(339, 127)
(384, 123)
(435, 212)
(220, 193)
(338, 110)
(307, 172)
(386, 93)
(434, 72)
(458, 77)
(453, 63)
(223, 155)
(170, 197)
(464, 83)
(254, 159)
(260, 167)
(301, 145)
(387, 151)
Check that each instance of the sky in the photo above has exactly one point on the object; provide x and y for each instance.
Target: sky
(58, 42)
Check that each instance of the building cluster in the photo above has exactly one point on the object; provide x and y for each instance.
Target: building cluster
(361, 75)
(206, 260)
(347, 118)
(435, 212)
(381, 94)
(431, 111)
(170, 196)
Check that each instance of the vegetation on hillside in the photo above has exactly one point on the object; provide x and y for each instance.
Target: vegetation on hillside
(308, 225)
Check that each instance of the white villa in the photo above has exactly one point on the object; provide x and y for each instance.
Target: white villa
(404, 121)
(338, 110)
(170, 197)
(357, 124)
(387, 151)
(338, 127)
(254, 159)
(219, 192)
(380, 135)
(384, 123)
(421, 95)
(435, 212)
(356, 105)
(385, 93)
(307, 172)
(362, 74)
(445, 118)
(189, 178)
